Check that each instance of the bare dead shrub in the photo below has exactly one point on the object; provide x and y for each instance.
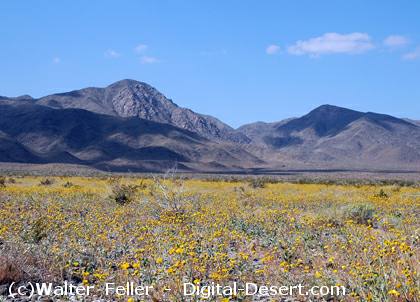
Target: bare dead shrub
(169, 196)
(20, 263)
(168, 192)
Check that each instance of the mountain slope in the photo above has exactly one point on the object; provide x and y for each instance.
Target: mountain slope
(37, 133)
(258, 130)
(333, 136)
(130, 125)
(413, 121)
(129, 98)
(13, 151)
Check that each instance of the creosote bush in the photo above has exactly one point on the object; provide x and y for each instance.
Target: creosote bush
(123, 194)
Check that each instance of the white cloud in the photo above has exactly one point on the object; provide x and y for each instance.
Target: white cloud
(333, 43)
(56, 60)
(415, 54)
(395, 41)
(110, 53)
(149, 60)
(141, 48)
(272, 49)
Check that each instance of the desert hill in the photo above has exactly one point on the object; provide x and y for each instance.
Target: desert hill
(130, 125)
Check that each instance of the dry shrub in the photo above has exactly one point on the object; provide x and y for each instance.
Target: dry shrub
(19, 263)
(335, 215)
(2, 182)
(361, 213)
(36, 231)
(125, 193)
(169, 193)
(46, 182)
(382, 194)
(68, 184)
(258, 182)
(9, 271)
(169, 197)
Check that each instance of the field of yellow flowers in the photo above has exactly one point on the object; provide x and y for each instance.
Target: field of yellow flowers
(164, 232)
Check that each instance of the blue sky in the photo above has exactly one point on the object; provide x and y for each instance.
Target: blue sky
(240, 61)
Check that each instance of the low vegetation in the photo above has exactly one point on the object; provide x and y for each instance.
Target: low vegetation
(46, 182)
(2, 182)
(258, 182)
(165, 231)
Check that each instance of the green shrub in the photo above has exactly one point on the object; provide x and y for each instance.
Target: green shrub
(258, 182)
(123, 194)
(362, 213)
(382, 194)
(36, 231)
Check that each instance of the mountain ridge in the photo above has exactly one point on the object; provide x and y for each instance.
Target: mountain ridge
(78, 136)
(334, 134)
(131, 125)
(130, 98)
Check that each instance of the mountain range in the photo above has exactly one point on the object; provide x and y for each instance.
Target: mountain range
(131, 126)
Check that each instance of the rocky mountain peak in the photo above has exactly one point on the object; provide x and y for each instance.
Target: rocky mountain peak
(130, 98)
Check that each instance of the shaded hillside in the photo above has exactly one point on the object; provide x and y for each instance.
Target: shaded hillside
(257, 131)
(40, 134)
(413, 121)
(131, 125)
(331, 135)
